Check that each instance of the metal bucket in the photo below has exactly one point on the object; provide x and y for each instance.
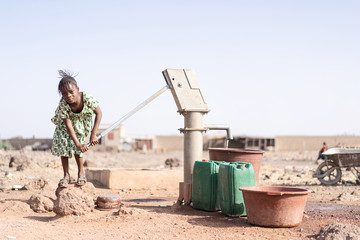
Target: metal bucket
(238, 155)
(108, 202)
(275, 206)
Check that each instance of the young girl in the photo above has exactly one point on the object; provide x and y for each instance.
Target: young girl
(73, 120)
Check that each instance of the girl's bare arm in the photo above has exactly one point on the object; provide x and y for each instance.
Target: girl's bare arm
(98, 116)
(71, 131)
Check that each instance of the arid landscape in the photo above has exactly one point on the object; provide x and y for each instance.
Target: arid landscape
(332, 212)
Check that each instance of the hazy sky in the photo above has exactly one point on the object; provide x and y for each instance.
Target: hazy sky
(266, 68)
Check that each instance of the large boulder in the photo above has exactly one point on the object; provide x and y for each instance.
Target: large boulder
(41, 204)
(75, 200)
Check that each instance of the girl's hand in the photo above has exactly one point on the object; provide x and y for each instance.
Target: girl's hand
(93, 139)
(82, 147)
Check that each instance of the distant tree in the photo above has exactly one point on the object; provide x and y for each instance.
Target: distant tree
(5, 145)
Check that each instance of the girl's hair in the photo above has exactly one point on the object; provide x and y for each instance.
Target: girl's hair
(67, 78)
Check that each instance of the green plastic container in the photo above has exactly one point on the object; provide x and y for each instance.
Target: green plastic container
(204, 188)
(231, 177)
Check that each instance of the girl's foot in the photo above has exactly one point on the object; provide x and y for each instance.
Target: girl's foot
(63, 182)
(81, 181)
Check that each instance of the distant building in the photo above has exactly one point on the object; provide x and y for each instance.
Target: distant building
(116, 140)
(314, 143)
(244, 142)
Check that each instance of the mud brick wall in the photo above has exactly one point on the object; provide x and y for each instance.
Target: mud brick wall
(312, 143)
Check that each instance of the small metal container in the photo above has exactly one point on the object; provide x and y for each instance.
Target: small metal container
(108, 202)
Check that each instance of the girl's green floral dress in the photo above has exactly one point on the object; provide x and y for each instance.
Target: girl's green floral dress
(63, 145)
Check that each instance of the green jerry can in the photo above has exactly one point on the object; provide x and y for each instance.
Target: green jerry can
(204, 187)
(231, 177)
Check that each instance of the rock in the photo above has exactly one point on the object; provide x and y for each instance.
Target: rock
(74, 200)
(288, 169)
(346, 197)
(2, 186)
(274, 175)
(20, 162)
(35, 184)
(14, 207)
(306, 170)
(8, 174)
(89, 164)
(172, 162)
(41, 204)
(52, 164)
(355, 193)
(125, 212)
(338, 231)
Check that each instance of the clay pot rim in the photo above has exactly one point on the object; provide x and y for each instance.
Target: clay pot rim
(276, 190)
(237, 150)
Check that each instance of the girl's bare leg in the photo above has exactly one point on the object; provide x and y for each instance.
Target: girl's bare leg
(65, 165)
(79, 162)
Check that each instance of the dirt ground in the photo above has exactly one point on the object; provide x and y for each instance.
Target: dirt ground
(154, 213)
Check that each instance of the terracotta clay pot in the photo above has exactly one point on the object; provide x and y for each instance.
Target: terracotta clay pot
(238, 155)
(275, 206)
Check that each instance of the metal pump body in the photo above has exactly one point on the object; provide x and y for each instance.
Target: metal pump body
(191, 104)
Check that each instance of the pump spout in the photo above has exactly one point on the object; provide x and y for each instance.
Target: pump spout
(221, 127)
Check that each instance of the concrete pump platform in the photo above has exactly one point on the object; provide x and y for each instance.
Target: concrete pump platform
(124, 178)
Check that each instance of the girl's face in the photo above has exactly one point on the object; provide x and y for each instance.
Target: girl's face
(70, 94)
